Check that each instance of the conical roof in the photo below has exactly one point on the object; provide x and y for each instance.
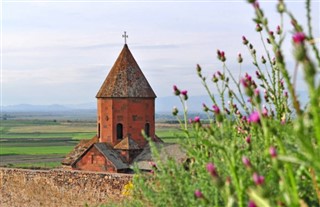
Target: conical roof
(127, 144)
(126, 79)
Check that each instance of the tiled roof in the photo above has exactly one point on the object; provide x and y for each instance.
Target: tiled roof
(127, 144)
(79, 150)
(111, 155)
(166, 151)
(126, 79)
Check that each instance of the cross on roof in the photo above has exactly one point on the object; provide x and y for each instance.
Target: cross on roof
(125, 36)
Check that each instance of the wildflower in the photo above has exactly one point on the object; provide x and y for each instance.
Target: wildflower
(244, 40)
(273, 152)
(251, 204)
(246, 162)
(298, 38)
(256, 92)
(244, 83)
(216, 109)
(198, 68)
(214, 78)
(152, 164)
(258, 28)
(258, 179)
(184, 93)
(258, 74)
(198, 194)
(268, 41)
(265, 111)
(263, 60)
(254, 117)
(239, 58)
(196, 119)
(279, 31)
(226, 110)
(211, 168)
(176, 91)
(248, 139)
(271, 34)
(286, 94)
(175, 111)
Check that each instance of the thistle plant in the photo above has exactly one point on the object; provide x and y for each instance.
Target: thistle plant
(259, 147)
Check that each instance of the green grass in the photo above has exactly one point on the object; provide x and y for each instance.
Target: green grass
(35, 150)
(36, 165)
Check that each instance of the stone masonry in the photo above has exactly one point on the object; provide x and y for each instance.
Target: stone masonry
(19, 187)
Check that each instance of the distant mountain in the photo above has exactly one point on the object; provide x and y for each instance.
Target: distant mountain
(163, 105)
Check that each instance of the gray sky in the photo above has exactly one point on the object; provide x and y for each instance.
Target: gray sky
(60, 52)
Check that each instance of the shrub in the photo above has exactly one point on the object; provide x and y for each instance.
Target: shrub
(264, 152)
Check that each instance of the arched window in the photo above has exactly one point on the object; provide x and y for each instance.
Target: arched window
(119, 131)
(147, 129)
(99, 130)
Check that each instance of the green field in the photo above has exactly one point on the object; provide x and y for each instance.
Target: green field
(39, 139)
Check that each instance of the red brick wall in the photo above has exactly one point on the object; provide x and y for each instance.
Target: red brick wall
(132, 113)
(93, 160)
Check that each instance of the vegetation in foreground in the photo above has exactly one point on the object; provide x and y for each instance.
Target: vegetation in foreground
(261, 148)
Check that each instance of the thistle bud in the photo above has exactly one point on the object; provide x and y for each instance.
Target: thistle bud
(258, 28)
(263, 60)
(273, 152)
(279, 31)
(250, 46)
(175, 111)
(198, 194)
(176, 91)
(246, 162)
(198, 68)
(268, 41)
(280, 6)
(244, 40)
(240, 58)
(214, 78)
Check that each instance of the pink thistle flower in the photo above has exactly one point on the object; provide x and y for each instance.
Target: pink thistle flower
(251, 204)
(265, 111)
(176, 91)
(273, 152)
(254, 117)
(198, 194)
(184, 92)
(244, 83)
(248, 139)
(256, 92)
(298, 38)
(211, 168)
(258, 179)
(246, 162)
(196, 119)
(216, 109)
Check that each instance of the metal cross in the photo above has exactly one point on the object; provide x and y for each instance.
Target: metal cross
(125, 36)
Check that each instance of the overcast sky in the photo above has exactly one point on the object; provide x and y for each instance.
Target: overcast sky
(61, 52)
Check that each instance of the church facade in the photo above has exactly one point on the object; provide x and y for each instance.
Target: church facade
(125, 108)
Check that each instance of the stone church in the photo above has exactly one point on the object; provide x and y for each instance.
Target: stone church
(125, 107)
